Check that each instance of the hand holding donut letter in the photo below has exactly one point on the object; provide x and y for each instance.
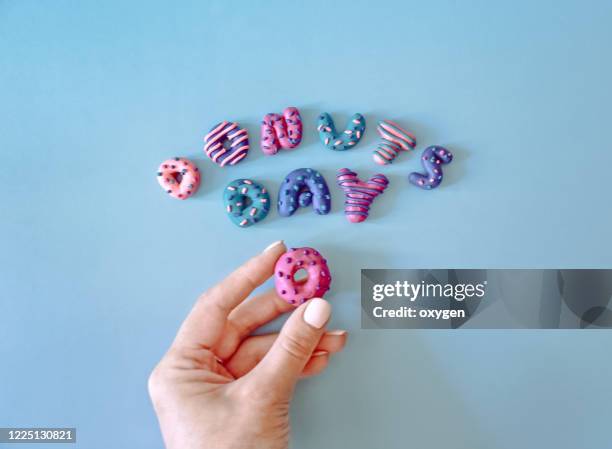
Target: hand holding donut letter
(218, 386)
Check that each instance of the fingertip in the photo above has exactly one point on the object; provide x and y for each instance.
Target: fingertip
(341, 335)
(274, 247)
(271, 254)
(317, 313)
(333, 342)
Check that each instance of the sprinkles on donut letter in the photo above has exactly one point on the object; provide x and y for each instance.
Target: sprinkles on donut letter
(340, 141)
(246, 202)
(281, 131)
(226, 143)
(394, 140)
(359, 194)
(301, 188)
(179, 177)
(432, 160)
(315, 285)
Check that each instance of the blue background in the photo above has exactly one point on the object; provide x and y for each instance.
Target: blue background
(99, 266)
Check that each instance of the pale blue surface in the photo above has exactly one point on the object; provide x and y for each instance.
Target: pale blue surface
(98, 266)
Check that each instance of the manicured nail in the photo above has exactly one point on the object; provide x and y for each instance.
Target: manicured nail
(338, 333)
(319, 353)
(317, 312)
(269, 247)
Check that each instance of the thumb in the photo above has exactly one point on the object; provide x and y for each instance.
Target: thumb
(283, 364)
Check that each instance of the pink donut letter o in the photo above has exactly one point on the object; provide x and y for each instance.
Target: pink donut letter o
(314, 286)
(179, 177)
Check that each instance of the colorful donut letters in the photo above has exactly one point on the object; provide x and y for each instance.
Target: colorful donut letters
(226, 143)
(344, 140)
(299, 291)
(179, 177)
(432, 159)
(359, 194)
(302, 187)
(281, 131)
(394, 140)
(246, 202)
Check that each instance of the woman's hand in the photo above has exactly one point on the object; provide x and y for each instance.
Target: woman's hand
(217, 386)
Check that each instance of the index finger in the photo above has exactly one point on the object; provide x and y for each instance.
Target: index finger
(206, 321)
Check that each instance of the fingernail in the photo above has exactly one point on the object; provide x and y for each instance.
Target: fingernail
(269, 247)
(319, 353)
(338, 333)
(317, 312)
